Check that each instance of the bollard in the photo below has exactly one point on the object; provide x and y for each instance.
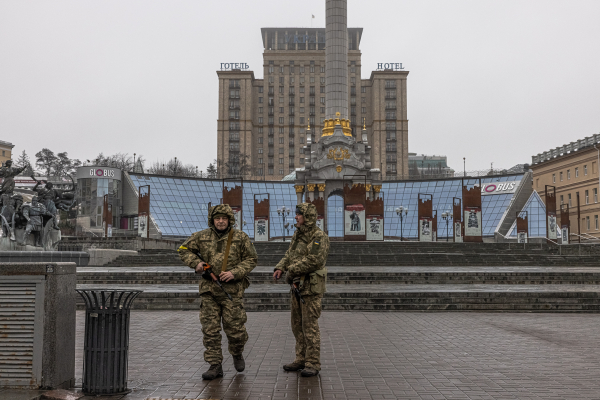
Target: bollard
(106, 340)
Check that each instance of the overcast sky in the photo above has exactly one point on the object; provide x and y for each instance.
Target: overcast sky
(492, 81)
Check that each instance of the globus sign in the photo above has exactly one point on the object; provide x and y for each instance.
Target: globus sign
(98, 172)
(105, 173)
(499, 188)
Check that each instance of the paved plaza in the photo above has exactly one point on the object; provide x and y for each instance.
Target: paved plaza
(370, 355)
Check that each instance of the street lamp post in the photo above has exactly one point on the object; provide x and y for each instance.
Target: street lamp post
(283, 211)
(401, 212)
(447, 217)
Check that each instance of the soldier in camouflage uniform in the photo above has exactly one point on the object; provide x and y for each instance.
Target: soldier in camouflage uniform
(211, 244)
(304, 264)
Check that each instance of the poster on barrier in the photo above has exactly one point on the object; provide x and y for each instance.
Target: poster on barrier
(375, 228)
(143, 226)
(552, 229)
(458, 232)
(522, 237)
(565, 234)
(354, 219)
(473, 221)
(320, 224)
(425, 229)
(261, 230)
(237, 213)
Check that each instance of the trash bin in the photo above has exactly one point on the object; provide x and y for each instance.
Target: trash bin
(106, 340)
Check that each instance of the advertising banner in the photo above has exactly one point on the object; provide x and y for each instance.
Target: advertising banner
(552, 233)
(472, 221)
(320, 223)
(565, 234)
(142, 226)
(426, 230)
(354, 220)
(261, 230)
(237, 213)
(109, 230)
(458, 232)
(375, 228)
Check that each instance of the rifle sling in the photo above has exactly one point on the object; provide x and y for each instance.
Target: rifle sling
(224, 266)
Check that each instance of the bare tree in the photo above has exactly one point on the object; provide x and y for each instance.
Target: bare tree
(121, 161)
(173, 167)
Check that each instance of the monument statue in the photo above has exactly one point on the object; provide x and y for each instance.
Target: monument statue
(34, 213)
(8, 173)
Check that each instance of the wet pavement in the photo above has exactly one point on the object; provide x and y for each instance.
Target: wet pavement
(370, 355)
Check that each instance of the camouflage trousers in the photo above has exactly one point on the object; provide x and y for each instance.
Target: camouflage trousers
(305, 326)
(217, 307)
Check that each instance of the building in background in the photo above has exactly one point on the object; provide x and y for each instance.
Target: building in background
(5, 151)
(428, 167)
(261, 122)
(573, 170)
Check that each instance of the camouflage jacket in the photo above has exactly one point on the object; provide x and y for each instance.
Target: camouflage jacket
(307, 255)
(211, 246)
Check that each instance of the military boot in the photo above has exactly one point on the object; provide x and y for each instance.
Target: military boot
(306, 372)
(239, 363)
(215, 371)
(293, 367)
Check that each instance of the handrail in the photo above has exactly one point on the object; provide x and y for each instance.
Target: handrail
(585, 238)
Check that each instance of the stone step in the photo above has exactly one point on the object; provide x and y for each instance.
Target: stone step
(390, 297)
(354, 275)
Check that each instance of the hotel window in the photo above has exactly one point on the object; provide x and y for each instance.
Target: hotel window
(363, 89)
(301, 161)
(281, 69)
(301, 149)
(570, 202)
(270, 69)
(280, 160)
(301, 99)
(301, 110)
(260, 160)
(576, 172)
(312, 69)
(596, 221)
(312, 79)
(271, 79)
(562, 200)
(281, 130)
(323, 80)
(595, 195)
(587, 197)
(260, 120)
(302, 80)
(260, 140)
(260, 89)
(322, 89)
(301, 120)
(281, 142)
(281, 120)
(271, 121)
(281, 150)
(352, 69)
(568, 174)
(587, 223)
(301, 140)
(322, 69)
(353, 80)
(301, 69)
(260, 130)
(270, 171)
(561, 176)
(281, 100)
(280, 89)
(363, 110)
(260, 110)
(553, 178)
(363, 99)
(281, 80)
(322, 100)
(291, 80)
(280, 172)
(260, 171)
(260, 150)
(281, 110)
(291, 69)
(322, 110)
(302, 90)
(585, 170)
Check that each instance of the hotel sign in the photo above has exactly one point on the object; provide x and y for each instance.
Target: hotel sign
(392, 66)
(232, 66)
(304, 39)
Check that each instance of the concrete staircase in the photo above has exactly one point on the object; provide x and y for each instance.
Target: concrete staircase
(407, 276)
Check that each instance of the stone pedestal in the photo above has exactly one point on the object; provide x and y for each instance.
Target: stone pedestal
(41, 323)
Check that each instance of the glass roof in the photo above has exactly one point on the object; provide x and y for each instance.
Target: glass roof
(536, 217)
(180, 205)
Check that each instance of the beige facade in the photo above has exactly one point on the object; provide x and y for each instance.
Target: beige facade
(262, 121)
(5, 151)
(573, 173)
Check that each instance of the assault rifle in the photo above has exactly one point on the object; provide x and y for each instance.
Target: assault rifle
(297, 292)
(208, 270)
